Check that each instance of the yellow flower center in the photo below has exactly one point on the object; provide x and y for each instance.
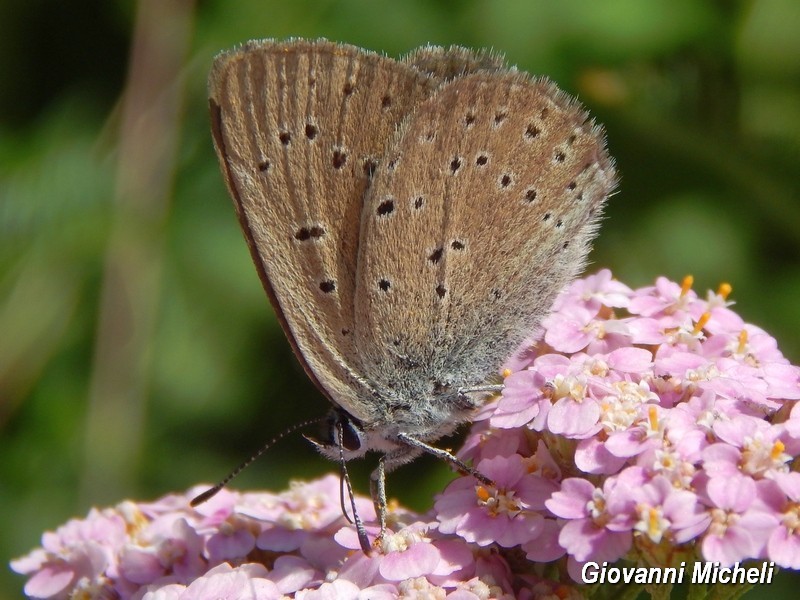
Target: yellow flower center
(721, 520)
(497, 501)
(791, 518)
(652, 522)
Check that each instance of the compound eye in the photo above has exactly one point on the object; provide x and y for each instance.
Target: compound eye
(351, 435)
(339, 425)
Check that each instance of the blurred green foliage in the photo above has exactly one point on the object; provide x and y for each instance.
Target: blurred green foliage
(701, 101)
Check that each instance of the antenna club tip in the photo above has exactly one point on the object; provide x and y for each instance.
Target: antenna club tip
(205, 496)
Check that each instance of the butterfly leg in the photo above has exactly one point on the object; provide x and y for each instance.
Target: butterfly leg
(377, 489)
(494, 388)
(377, 481)
(444, 455)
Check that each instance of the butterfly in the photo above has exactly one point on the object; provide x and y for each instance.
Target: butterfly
(411, 221)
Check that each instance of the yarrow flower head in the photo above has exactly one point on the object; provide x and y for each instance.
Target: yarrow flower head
(645, 426)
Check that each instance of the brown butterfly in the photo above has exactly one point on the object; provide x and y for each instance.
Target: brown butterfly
(411, 221)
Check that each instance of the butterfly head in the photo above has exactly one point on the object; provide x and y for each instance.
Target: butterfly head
(341, 434)
(344, 436)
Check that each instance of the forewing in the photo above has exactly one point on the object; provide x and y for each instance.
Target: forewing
(299, 128)
(482, 211)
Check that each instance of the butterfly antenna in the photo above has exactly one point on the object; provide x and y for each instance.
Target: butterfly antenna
(345, 477)
(211, 492)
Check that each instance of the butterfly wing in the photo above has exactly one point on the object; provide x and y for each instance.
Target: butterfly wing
(299, 128)
(481, 212)
(454, 61)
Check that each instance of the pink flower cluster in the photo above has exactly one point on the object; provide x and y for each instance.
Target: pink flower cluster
(256, 545)
(648, 424)
(645, 425)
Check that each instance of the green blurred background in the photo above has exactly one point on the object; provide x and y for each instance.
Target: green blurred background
(138, 353)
